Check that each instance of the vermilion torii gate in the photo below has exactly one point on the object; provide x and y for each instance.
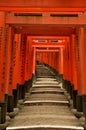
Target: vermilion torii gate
(23, 22)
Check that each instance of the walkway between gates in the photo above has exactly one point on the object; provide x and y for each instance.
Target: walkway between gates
(46, 106)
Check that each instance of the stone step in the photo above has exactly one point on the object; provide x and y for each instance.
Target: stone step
(46, 83)
(46, 110)
(45, 76)
(34, 85)
(46, 79)
(47, 96)
(46, 102)
(46, 107)
(47, 91)
(46, 87)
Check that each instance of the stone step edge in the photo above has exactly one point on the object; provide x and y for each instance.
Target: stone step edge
(47, 101)
(47, 87)
(46, 126)
(45, 84)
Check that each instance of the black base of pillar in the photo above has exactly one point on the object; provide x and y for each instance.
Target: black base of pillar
(6, 100)
(71, 91)
(30, 83)
(79, 103)
(3, 112)
(26, 86)
(84, 104)
(18, 91)
(10, 104)
(15, 95)
(74, 98)
(21, 91)
(68, 86)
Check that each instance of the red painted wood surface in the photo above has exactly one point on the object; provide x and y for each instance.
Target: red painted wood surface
(23, 25)
(2, 56)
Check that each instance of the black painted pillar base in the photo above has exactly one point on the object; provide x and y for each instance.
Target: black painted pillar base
(21, 91)
(26, 86)
(74, 98)
(15, 95)
(3, 112)
(71, 91)
(10, 104)
(66, 85)
(70, 88)
(30, 83)
(84, 108)
(79, 103)
(18, 88)
(84, 104)
(6, 100)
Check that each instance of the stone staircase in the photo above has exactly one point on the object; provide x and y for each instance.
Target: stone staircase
(46, 107)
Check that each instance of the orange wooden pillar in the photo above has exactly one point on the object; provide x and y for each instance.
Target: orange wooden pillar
(73, 70)
(47, 58)
(54, 59)
(69, 59)
(27, 58)
(30, 57)
(28, 63)
(70, 90)
(67, 66)
(44, 57)
(2, 67)
(61, 61)
(21, 87)
(57, 62)
(34, 64)
(50, 58)
(16, 67)
(65, 62)
(9, 69)
(81, 75)
(73, 62)
(8, 88)
(2, 56)
(34, 60)
(61, 64)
